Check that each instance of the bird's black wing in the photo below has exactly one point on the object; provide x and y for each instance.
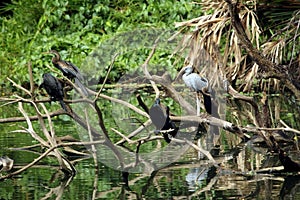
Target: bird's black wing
(60, 90)
(157, 116)
(52, 86)
(75, 70)
(82, 87)
(66, 69)
(63, 105)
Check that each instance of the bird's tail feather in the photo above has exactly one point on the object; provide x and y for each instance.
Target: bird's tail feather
(63, 105)
(81, 86)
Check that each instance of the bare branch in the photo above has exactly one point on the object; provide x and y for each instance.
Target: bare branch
(46, 153)
(145, 69)
(30, 127)
(32, 118)
(199, 148)
(106, 76)
(18, 86)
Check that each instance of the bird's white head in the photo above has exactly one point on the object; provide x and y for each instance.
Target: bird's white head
(188, 69)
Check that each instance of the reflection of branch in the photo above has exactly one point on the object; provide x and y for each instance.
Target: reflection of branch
(199, 148)
(208, 187)
(59, 190)
(46, 153)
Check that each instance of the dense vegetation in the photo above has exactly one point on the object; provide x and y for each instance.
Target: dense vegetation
(75, 28)
(249, 55)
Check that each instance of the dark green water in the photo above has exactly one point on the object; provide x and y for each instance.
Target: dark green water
(190, 177)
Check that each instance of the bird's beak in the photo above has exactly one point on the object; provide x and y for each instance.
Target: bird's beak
(180, 73)
(47, 52)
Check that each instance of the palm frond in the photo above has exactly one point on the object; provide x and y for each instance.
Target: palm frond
(213, 44)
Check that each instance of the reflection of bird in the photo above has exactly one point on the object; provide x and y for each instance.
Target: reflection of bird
(288, 164)
(54, 88)
(160, 118)
(69, 70)
(199, 85)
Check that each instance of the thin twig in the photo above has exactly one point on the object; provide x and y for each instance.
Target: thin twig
(123, 136)
(94, 150)
(106, 76)
(18, 86)
(145, 68)
(288, 128)
(135, 132)
(30, 78)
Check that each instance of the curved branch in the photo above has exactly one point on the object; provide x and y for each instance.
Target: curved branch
(266, 65)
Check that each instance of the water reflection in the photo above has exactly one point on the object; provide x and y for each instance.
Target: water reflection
(190, 177)
(183, 180)
(290, 188)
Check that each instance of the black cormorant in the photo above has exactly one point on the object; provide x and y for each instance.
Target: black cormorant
(54, 88)
(69, 70)
(160, 118)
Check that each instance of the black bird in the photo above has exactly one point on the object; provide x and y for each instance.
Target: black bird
(160, 118)
(69, 70)
(54, 88)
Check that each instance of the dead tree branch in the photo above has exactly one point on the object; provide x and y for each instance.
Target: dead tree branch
(266, 65)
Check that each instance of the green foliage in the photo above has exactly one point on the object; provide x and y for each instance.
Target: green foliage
(75, 28)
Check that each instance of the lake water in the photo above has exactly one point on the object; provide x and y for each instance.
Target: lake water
(191, 176)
